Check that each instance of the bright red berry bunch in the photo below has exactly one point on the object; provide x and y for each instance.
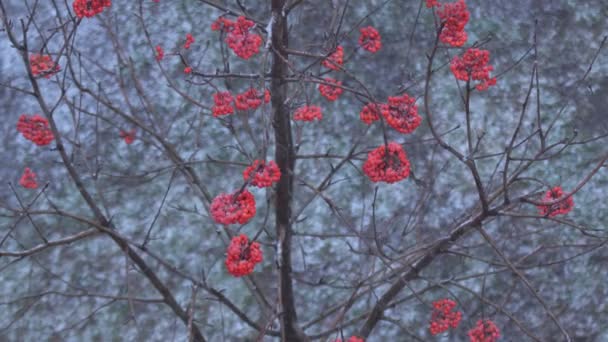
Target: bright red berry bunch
(561, 208)
(128, 136)
(188, 70)
(390, 167)
(43, 65)
(454, 17)
(251, 99)
(160, 53)
(371, 112)
(370, 39)
(335, 60)
(484, 331)
(308, 113)
(352, 339)
(432, 3)
(233, 208)
(189, 41)
(35, 128)
(443, 316)
(90, 8)
(242, 256)
(223, 104)
(329, 91)
(239, 38)
(28, 179)
(473, 66)
(401, 113)
(262, 174)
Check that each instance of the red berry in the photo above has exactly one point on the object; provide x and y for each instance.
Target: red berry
(370, 39)
(443, 316)
(90, 8)
(128, 136)
(335, 60)
(473, 65)
(308, 113)
(43, 65)
(329, 91)
(454, 16)
(189, 41)
(28, 179)
(160, 53)
(223, 104)
(388, 167)
(401, 113)
(561, 208)
(371, 112)
(484, 331)
(233, 208)
(262, 174)
(36, 129)
(242, 256)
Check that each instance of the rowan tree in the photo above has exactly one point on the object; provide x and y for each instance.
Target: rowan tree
(303, 170)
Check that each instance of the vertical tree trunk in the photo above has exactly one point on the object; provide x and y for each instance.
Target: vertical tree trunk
(285, 159)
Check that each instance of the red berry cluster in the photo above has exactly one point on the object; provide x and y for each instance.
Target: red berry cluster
(43, 65)
(240, 39)
(308, 113)
(233, 208)
(35, 128)
(335, 60)
(484, 331)
(28, 179)
(432, 3)
(352, 339)
(188, 70)
(443, 317)
(370, 39)
(262, 174)
(90, 8)
(223, 104)
(401, 113)
(251, 99)
(329, 91)
(371, 112)
(242, 256)
(390, 167)
(189, 41)
(160, 53)
(128, 136)
(561, 208)
(454, 16)
(473, 65)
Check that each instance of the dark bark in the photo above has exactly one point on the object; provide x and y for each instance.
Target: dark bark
(285, 159)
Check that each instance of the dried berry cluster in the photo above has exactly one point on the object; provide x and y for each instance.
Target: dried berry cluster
(560, 208)
(239, 37)
(473, 65)
(43, 65)
(389, 167)
(242, 256)
(90, 8)
(443, 316)
(36, 129)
